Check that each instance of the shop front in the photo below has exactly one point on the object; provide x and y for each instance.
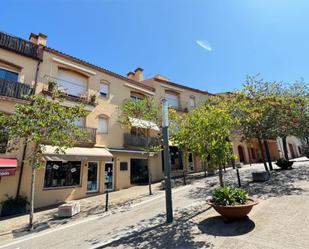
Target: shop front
(78, 173)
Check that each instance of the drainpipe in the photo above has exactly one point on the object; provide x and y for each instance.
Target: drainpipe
(25, 144)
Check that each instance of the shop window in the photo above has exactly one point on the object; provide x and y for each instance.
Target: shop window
(62, 174)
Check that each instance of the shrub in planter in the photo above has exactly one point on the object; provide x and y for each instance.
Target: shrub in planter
(52, 86)
(14, 205)
(229, 196)
(232, 203)
(284, 164)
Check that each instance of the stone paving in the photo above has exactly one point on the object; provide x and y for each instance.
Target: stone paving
(279, 221)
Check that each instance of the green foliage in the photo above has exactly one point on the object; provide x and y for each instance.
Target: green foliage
(204, 131)
(13, 204)
(266, 110)
(146, 109)
(226, 196)
(43, 121)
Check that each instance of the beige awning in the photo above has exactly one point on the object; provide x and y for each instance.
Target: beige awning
(135, 122)
(77, 154)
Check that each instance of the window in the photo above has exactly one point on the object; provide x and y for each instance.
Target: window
(104, 89)
(72, 83)
(192, 101)
(62, 174)
(4, 139)
(8, 75)
(103, 125)
(172, 99)
(136, 96)
(80, 122)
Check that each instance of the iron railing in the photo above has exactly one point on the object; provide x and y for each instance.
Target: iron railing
(69, 90)
(91, 135)
(139, 141)
(19, 45)
(14, 89)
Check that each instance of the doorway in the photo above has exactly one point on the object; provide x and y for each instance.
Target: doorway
(241, 154)
(292, 150)
(109, 175)
(93, 177)
(139, 171)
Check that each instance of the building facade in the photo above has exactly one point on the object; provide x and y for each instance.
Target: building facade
(113, 157)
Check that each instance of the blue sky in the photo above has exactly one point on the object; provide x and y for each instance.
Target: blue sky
(237, 38)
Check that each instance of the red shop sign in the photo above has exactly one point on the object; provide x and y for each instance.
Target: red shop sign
(7, 171)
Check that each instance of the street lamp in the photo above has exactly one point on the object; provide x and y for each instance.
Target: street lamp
(167, 163)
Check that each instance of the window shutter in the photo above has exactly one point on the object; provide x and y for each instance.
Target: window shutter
(103, 125)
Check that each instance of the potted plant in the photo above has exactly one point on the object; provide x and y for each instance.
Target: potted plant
(232, 203)
(284, 164)
(13, 205)
(52, 85)
(93, 98)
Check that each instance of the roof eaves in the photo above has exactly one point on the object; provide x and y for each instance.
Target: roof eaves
(182, 86)
(75, 59)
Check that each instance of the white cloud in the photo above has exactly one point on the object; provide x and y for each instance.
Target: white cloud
(204, 44)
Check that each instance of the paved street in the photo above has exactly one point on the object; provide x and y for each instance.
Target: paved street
(281, 220)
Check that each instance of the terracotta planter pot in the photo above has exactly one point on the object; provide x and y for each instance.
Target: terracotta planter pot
(236, 211)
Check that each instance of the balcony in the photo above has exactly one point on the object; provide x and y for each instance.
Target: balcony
(90, 138)
(68, 90)
(19, 46)
(139, 141)
(14, 89)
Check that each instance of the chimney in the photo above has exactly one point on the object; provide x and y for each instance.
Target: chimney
(131, 75)
(39, 39)
(139, 74)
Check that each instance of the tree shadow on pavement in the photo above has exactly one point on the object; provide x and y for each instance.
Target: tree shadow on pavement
(282, 183)
(177, 235)
(218, 226)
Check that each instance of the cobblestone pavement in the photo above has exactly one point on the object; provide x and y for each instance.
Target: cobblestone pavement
(281, 220)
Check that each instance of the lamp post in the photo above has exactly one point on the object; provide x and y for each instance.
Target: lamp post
(167, 164)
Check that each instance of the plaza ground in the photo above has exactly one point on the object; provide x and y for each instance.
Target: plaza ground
(281, 220)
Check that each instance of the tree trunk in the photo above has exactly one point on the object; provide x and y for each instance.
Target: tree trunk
(32, 198)
(262, 154)
(285, 148)
(268, 155)
(181, 161)
(221, 176)
(205, 165)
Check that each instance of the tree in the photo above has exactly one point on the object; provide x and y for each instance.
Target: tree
(43, 121)
(205, 132)
(144, 115)
(255, 107)
(293, 113)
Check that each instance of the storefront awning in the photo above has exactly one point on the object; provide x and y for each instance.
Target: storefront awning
(77, 154)
(8, 166)
(135, 122)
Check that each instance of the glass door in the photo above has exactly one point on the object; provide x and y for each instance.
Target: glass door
(93, 177)
(109, 175)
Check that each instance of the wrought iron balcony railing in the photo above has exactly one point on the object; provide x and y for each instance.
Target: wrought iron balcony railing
(91, 135)
(14, 89)
(139, 141)
(19, 46)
